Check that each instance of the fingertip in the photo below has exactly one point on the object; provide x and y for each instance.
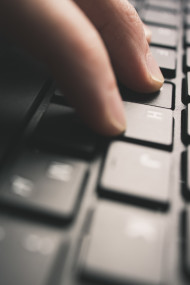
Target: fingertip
(157, 78)
(116, 115)
(107, 117)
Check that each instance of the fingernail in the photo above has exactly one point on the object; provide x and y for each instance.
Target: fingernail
(116, 113)
(154, 70)
(148, 33)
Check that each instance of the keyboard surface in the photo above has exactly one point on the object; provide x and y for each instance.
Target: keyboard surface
(80, 209)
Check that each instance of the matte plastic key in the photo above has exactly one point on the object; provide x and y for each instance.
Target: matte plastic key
(149, 125)
(29, 253)
(124, 245)
(166, 59)
(137, 173)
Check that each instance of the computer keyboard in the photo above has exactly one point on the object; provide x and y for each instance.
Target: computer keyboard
(80, 209)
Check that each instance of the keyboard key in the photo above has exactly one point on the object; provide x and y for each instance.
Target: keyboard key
(44, 183)
(166, 59)
(29, 253)
(137, 172)
(161, 18)
(60, 129)
(163, 36)
(125, 245)
(163, 5)
(20, 88)
(162, 98)
(149, 125)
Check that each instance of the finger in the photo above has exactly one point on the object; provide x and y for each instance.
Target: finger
(59, 32)
(123, 34)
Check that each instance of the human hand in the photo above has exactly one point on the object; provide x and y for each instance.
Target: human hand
(83, 43)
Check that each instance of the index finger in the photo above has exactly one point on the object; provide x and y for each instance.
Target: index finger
(63, 36)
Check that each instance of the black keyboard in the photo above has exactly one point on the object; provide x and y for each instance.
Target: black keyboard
(80, 209)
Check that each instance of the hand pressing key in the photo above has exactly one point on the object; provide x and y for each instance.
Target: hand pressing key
(82, 42)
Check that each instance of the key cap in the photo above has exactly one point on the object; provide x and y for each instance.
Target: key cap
(29, 253)
(137, 172)
(166, 59)
(60, 129)
(187, 241)
(149, 125)
(125, 245)
(20, 86)
(163, 36)
(161, 18)
(163, 5)
(44, 183)
(162, 98)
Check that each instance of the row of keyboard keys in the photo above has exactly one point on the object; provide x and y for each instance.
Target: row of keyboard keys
(44, 183)
(137, 256)
(137, 173)
(29, 253)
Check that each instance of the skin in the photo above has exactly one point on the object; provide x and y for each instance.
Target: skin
(87, 44)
